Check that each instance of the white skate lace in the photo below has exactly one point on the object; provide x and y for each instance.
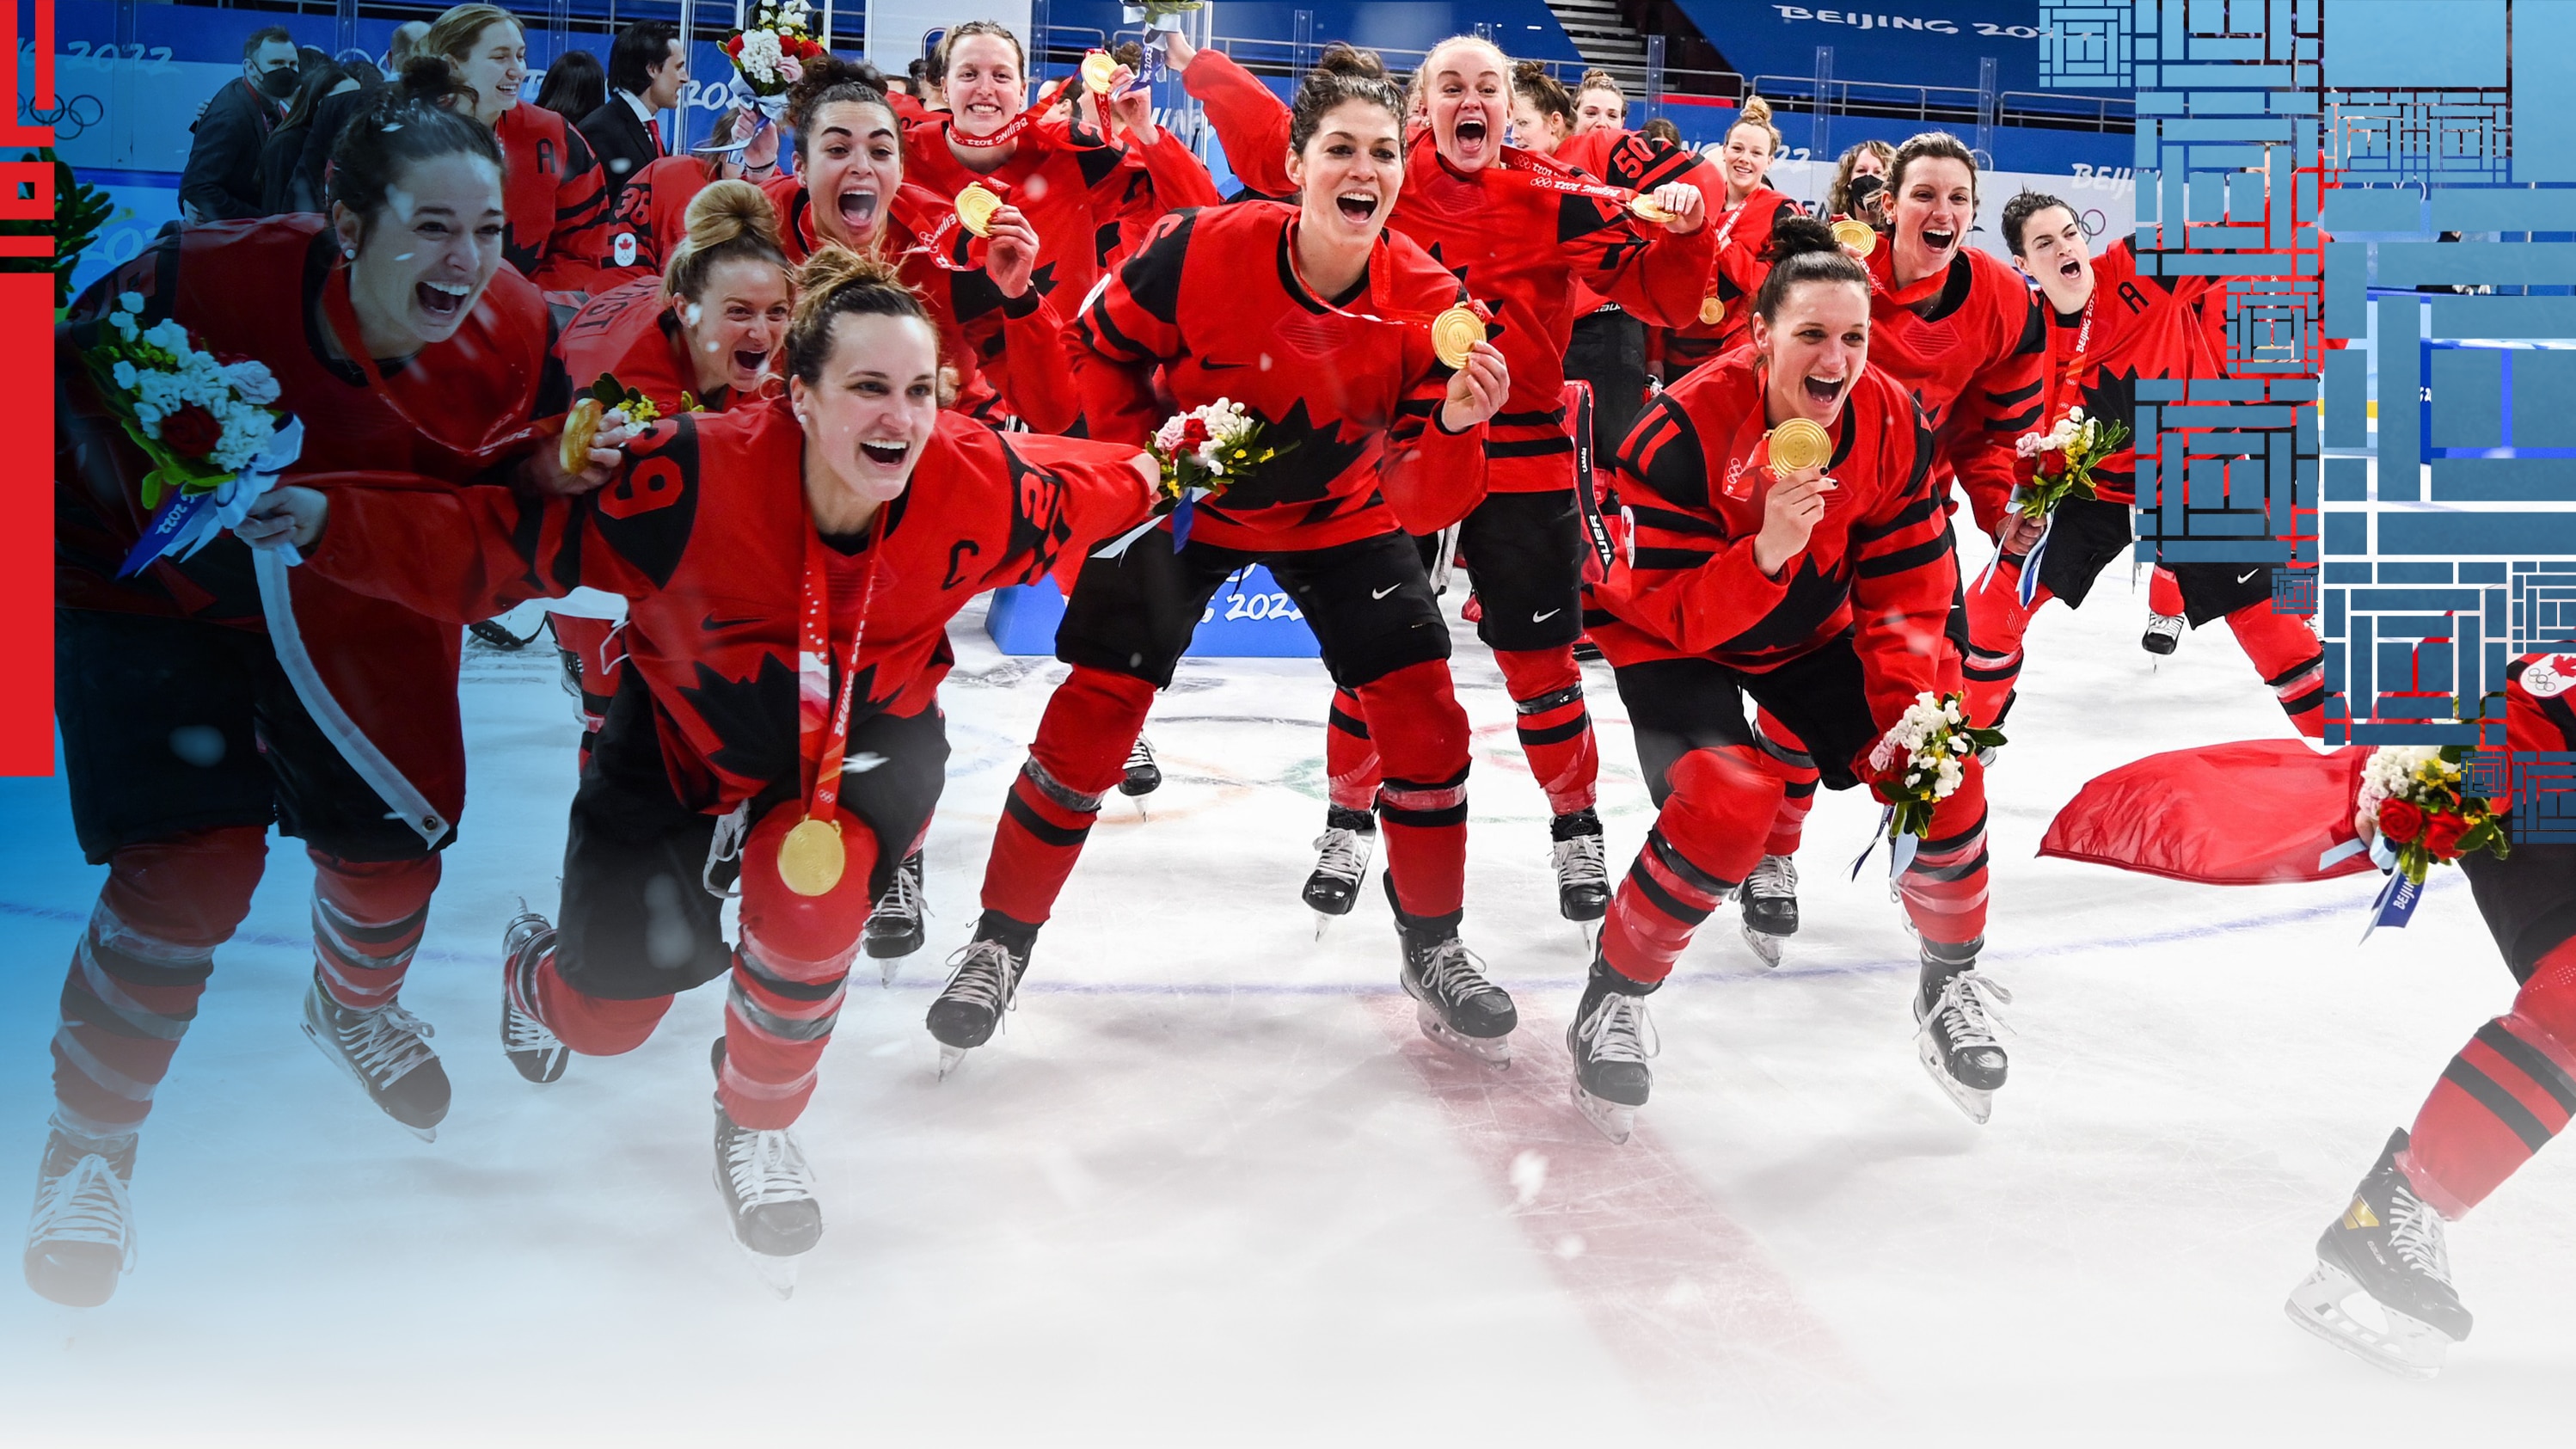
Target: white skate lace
(767, 1167)
(1141, 757)
(1454, 973)
(386, 1043)
(1966, 1010)
(2415, 1231)
(1345, 854)
(1579, 863)
(1619, 1030)
(1774, 877)
(983, 975)
(902, 900)
(88, 1204)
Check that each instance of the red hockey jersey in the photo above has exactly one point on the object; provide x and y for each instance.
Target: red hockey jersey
(1640, 163)
(1085, 198)
(557, 199)
(1879, 561)
(1347, 389)
(704, 530)
(629, 333)
(650, 214)
(2134, 327)
(1972, 359)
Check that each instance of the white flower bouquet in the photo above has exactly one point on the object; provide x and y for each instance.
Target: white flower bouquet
(1920, 761)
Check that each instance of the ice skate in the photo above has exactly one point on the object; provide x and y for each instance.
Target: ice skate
(530, 1045)
(1456, 1006)
(894, 928)
(1956, 1027)
(386, 1052)
(1582, 876)
(2387, 1248)
(2164, 632)
(769, 1192)
(1342, 861)
(1770, 899)
(983, 983)
(80, 1239)
(1143, 776)
(1610, 1041)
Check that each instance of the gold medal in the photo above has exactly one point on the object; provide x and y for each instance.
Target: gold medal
(812, 857)
(1711, 312)
(975, 208)
(1798, 445)
(1645, 208)
(1454, 335)
(581, 425)
(1097, 69)
(1856, 235)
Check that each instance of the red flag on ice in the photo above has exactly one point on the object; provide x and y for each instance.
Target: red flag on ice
(2256, 812)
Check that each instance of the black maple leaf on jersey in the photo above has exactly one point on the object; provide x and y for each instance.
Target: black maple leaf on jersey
(1309, 457)
(755, 718)
(972, 295)
(1495, 328)
(2110, 396)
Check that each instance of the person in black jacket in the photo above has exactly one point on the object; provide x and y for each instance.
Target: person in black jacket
(282, 186)
(335, 112)
(575, 86)
(221, 182)
(647, 66)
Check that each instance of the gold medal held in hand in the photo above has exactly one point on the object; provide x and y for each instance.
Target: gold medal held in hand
(581, 425)
(1097, 69)
(975, 208)
(1856, 235)
(1798, 445)
(812, 857)
(1711, 311)
(1646, 208)
(1454, 335)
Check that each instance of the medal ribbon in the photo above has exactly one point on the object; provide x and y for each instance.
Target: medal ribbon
(823, 743)
(1012, 128)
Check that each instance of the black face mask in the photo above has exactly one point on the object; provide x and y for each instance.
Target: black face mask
(1864, 192)
(279, 84)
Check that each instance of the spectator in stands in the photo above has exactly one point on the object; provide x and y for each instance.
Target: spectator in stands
(1599, 102)
(647, 66)
(281, 172)
(221, 182)
(574, 86)
(1860, 182)
(335, 112)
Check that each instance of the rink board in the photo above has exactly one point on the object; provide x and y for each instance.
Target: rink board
(1251, 617)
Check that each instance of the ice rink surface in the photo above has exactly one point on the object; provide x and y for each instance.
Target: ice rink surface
(1211, 1187)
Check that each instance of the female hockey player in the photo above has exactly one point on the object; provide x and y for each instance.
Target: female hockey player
(2108, 328)
(557, 194)
(1312, 318)
(2508, 1092)
(791, 568)
(1520, 231)
(1822, 593)
(398, 339)
(1960, 331)
(1743, 237)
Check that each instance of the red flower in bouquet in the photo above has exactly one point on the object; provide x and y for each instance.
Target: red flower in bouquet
(2442, 835)
(1194, 432)
(191, 431)
(733, 47)
(2400, 820)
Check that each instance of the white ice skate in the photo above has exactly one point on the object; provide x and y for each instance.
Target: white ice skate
(1955, 1039)
(1455, 1005)
(769, 1194)
(983, 984)
(1769, 896)
(1610, 1048)
(2382, 1286)
(1341, 861)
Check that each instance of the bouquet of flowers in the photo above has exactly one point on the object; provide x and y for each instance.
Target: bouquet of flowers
(1202, 453)
(623, 406)
(207, 426)
(1919, 762)
(1157, 15)
(770, 51)
(2067, 453)
(2426, 818)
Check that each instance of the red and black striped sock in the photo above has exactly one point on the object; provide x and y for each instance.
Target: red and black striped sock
(367, 922)
(1797, 771)
(1079, 755)
(2510, 1090)
(1350, 756)
(1421, 735)
(1707, 836)
(1546, 686)
(2286, 653)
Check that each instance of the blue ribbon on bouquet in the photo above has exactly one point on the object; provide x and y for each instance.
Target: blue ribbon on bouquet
(187, 522)
(1180, 516)
(1900, 851)
(2396, 903)
(2029, 583)
(772, 111)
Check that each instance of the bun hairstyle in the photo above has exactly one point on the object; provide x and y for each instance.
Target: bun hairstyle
(1757, 114)
(415, 119)
(832, 81)
(964, 28)
(1803, 250)
(729, 221)
(1597, 79)
(1420, 94)
(837, 282)
(1532, 83)
(1926, 144)
(1838, 198)
(1344, 73)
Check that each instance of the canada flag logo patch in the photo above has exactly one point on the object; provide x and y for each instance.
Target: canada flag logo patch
(2550, 675)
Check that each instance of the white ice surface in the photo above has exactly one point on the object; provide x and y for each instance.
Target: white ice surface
(1210, 1187)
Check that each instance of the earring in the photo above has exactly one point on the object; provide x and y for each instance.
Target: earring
(350, 252)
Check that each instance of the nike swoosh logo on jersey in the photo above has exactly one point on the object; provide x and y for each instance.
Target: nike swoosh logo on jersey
(1382, 593)
(1212, 365)
(714, 625)
(1543, 618)
(2249, 573)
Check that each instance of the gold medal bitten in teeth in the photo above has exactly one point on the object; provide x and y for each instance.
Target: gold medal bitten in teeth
(1454, 335)
(1798, 445)
(975, 208)
(1856, 235)
(812, 857)
(581, 426)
